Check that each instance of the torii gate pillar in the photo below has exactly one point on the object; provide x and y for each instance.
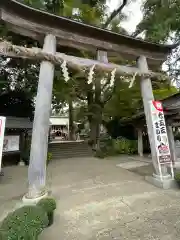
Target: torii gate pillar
(39, 143)
(147, 95)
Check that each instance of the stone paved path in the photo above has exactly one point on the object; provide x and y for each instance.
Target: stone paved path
(98, 200)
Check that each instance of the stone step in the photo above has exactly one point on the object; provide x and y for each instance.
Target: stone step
(73, 152)
(69, 150)
(70, 155)
(56, 153)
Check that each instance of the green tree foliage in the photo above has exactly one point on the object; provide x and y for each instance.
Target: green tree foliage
(121, 106)
(17, 104)
(161, 24)
(163, 93)
(161, 19)
(125, 101)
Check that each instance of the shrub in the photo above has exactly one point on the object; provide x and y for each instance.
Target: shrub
(48, 204)
(25, 223)
(177, 176)
(112, 147)
(49, 157)
(3, 235)
(124, 146)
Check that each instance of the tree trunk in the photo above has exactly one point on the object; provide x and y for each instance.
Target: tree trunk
(95, 115)
(93, 134)
(71, 121)
(115, 13)
(91, 119)
(98, 124)
(98, 114)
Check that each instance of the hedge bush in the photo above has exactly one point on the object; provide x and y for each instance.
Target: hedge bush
(48, 204)
(177, 176)
(126, 146)
(112, 147)
(3, 235)
(25, 223)
(49, 157)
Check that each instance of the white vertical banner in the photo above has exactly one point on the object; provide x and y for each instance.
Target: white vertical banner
(2, 130)
(161, 137)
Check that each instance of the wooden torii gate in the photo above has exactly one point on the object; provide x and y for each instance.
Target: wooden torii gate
(51, 31)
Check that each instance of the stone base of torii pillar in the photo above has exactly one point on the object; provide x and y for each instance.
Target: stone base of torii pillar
(33, 201)
(167, 182)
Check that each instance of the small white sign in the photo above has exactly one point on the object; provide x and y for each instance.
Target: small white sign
(11, 144)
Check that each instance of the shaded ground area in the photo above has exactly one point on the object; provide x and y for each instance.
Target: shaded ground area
(140, 165)
(13, 185)
(146, 169)
(143, 170)
(98, 200)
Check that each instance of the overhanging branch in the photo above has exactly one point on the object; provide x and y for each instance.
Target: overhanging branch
(81, 97)
(109, 96)
(115, 13)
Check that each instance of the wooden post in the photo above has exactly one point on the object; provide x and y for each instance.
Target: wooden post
(39, 144)
(140, 142)
(147, 95)
(171, 143)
